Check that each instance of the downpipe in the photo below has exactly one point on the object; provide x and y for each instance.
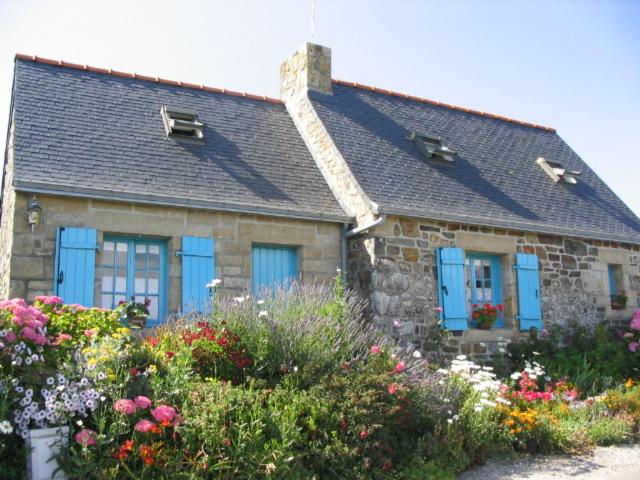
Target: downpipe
(350, 233)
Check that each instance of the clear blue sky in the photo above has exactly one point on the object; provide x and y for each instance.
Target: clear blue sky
(572, 65)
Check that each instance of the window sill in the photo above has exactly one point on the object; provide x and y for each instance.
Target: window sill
(493, 335)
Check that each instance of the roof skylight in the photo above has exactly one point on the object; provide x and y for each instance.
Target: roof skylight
(557, 172)
(431, 146)
(182, 124)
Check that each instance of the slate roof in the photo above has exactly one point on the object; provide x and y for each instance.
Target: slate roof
(494, 180)
(99, 133)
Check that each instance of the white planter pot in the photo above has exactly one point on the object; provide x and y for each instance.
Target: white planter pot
(42, 445)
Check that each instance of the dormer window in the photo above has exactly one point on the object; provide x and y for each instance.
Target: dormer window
(182, 124)
(557, 172)
(432, 147)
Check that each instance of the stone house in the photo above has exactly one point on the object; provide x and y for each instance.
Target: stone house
(152, 186)
(461, 207)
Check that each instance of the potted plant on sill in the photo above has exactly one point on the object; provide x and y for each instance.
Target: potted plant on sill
(619, 301)
(486, 315)
(136, 313)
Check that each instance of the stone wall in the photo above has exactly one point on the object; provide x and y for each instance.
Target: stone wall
(32, 256)
(6, 219)
(394, 267)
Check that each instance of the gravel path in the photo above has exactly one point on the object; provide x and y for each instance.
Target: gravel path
(606, 463)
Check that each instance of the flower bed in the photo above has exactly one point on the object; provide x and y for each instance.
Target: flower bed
(295, 386)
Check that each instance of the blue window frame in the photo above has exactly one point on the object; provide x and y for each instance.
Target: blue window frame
(613, 285)
(484, 282)
(135, 267)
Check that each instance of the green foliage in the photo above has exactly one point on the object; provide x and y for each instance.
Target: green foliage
(309, 329)
(593, 360)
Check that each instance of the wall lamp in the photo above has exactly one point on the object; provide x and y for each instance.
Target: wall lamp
(35, 213)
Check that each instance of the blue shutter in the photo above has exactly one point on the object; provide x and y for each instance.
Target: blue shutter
(75, 270)
(451, 289)
(273, 267)
(197, 271)
(528, 291)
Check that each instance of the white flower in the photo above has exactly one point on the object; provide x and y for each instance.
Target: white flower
(536, 353)
(79, 423)
(238, 299)
(516, 375)
(456, 417)
(295, 369)
(50, 381)
(461, 357)
(417, 354)
(213, 283)
(449, 420)
(501, 350)
(263, 313)
(477, 408)
(5, 427)
(260, 302)
(482, 344)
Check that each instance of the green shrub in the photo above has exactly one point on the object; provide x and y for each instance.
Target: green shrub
(594, 360)
(610, 430)
(311, 329)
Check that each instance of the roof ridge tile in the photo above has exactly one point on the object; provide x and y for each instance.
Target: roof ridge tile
(146, 78)
(406, 96)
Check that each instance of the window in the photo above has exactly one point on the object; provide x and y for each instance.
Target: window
(557, 172)
(182, 123)
(616, 293)
(483, 280)
(431, 147)
(273, 267)
(135, 268)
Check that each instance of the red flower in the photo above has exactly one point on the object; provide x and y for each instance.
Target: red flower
(343, 424)
(500, 307)
(392, 389)
(475, 314)
(169, 354)
(399, 368)
(363, 434)
(134, 372)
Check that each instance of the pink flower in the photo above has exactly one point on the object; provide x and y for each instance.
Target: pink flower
(10, 337)
(86, 437)
(90, 332)
(163, 413)
(628, 335)
(399, 368)
(53, 300)
(392, 389)
(126, 406)
(363, 434)
(375, 350)
(142, 402)
(633, 346)
(438, 309)
(396, 323)
(544, 332)
(61, 338)
(177, 420)
(145, 426)
(635, 322)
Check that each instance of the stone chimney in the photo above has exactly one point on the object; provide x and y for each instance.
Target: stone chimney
(309, 68)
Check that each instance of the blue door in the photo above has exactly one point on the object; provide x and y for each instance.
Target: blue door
(75, 265)
(273, 267)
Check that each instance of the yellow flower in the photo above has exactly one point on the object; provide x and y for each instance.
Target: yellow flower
(92, 361)
(629, 383)
(117, 336)
(152, 369)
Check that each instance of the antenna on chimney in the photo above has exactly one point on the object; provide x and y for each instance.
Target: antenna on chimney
(313, 18)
